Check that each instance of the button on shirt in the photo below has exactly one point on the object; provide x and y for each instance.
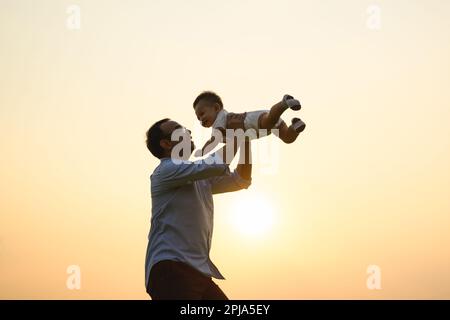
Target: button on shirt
(183, 210)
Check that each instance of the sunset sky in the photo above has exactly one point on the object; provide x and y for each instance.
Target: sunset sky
(367, 183)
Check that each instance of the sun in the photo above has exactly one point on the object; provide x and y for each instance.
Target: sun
(252, 215)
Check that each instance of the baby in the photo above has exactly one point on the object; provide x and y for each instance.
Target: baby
(209, 110)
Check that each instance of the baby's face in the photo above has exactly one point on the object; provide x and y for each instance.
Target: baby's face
(206, 112)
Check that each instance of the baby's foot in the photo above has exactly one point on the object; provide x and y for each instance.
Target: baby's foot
(298, 125)
(292, 103)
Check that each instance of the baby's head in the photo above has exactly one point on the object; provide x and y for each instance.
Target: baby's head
(207, 105)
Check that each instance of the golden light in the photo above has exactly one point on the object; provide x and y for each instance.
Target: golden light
(252, 215)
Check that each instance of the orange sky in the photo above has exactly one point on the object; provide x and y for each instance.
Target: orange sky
(366, 184)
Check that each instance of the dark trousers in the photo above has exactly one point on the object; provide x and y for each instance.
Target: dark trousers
(173, 280)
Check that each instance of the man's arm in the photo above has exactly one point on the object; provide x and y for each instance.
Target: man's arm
(171, 175)
(244, 168)
(240, 178)
(178, 174)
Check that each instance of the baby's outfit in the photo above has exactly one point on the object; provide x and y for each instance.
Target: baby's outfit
(251, 120)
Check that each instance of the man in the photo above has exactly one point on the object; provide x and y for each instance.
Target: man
(177, 263)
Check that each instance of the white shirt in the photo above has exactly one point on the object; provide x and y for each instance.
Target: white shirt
(221, 119)
(183, 210)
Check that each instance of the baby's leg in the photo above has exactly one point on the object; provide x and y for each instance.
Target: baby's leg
(290, 134)
(270, 119)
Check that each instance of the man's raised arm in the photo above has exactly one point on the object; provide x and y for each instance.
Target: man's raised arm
(244, 168)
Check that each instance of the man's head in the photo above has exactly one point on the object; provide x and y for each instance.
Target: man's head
(207, 105)
(159, 139)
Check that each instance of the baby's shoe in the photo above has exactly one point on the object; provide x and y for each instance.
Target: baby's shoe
(292, 103)
(298, 125)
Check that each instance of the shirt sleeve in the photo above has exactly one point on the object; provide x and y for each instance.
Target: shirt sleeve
(221, 121)
(172, 175)
(228, 183)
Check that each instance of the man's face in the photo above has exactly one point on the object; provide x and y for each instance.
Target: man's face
(180, 134)
(206, 112)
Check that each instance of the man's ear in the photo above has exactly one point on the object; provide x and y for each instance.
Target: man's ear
(217, 106)
(165, 144)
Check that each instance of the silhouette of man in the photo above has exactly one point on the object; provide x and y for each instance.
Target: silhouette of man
(177, 264)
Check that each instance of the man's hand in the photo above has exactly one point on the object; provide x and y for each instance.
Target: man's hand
(236, 120)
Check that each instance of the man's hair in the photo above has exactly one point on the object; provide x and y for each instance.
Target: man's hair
(209, 96)
(154, 136)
